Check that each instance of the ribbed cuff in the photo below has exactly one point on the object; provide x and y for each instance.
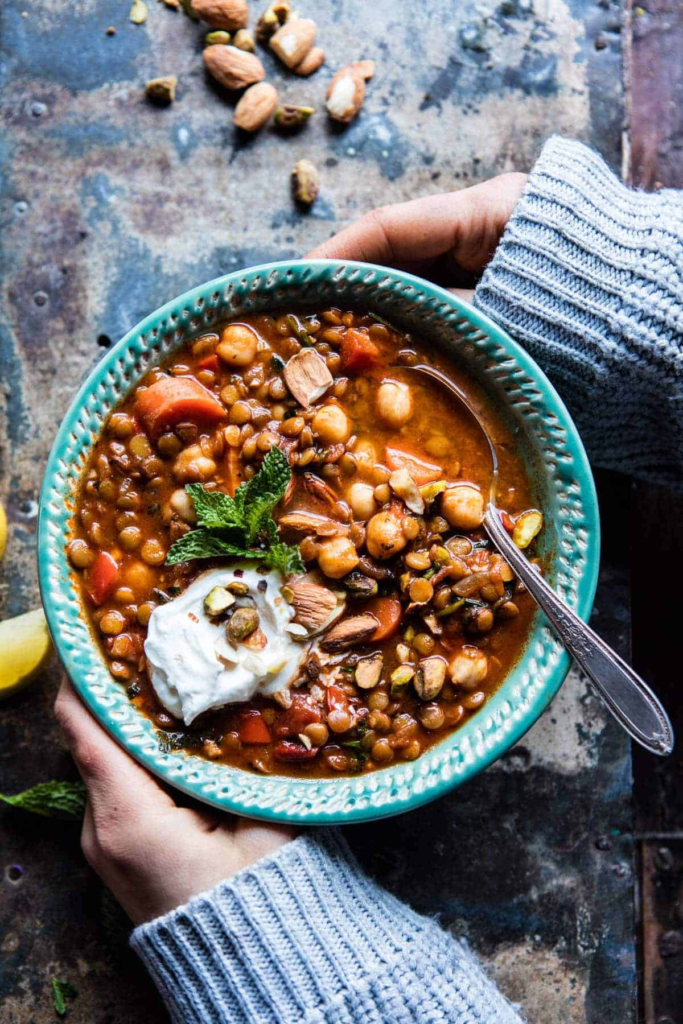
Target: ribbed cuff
(305, 935)
(589, 278)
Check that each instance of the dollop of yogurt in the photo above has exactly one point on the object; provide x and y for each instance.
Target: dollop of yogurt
(193, 667)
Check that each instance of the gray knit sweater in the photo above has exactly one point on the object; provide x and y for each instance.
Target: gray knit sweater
(589, 277)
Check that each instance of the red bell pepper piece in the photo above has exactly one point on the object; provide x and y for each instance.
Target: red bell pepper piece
(507, 522)
(209, 363)
(358, 353)
(295, 719)
(253, 729)
(336, 699)
(102, 578)
(285, 750)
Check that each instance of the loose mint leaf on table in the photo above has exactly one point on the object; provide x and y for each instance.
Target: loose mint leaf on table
(243, 526)
(51, 799)
(61, 991)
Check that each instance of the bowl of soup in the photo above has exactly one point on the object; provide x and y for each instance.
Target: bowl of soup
(261, 548)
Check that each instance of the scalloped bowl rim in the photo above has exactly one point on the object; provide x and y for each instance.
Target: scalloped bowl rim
(516, 704)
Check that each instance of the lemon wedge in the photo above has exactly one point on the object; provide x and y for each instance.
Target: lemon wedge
(25, 649)
(3, 531)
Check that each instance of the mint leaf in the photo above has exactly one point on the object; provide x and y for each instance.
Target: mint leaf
(284, 558)
(214, 509)
(271, 480)
(51, 799)
(206, 544)
(61, 991)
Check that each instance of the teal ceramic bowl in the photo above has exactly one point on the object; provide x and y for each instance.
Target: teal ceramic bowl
(548, 440)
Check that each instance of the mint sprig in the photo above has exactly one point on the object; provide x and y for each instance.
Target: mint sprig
(61, 991)
(243, 526)
(51, 799)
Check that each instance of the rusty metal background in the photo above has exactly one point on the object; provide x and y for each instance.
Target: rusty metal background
(109, 207)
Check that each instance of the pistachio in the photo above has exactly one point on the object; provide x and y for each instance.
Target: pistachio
(138, 12)
(305, 182)
(218, 600)
(290, 116)
(314, 59)
(360, 585)
(161, 90)
(271, 19)
(429, 678)
(244, 41)
(238, 588)
(228, 14)
(368, 671)
(431, 491)
(400, 678)
(255, 107)
(217, 38)
(242, 623)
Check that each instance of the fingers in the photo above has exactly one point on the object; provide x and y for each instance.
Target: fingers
(117, 786)
(466, 224)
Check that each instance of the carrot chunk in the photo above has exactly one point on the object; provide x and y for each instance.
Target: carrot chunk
(171, 400)
(358, 353)
(387, 610)
(253, 729)
(209, 363)
(421, 471)
(102, 578)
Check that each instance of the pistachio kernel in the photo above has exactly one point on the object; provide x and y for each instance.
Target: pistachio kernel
(305, 182)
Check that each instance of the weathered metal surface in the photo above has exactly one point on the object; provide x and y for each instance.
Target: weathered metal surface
(110, 206)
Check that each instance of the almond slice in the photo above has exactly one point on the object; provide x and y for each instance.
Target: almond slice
(354, 630)
(403, 485)
(309, 522)
(315, 607)
(292, 42)
(307, 376)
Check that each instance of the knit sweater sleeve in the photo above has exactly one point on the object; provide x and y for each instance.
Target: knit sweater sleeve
(305, 936)
(589, 278)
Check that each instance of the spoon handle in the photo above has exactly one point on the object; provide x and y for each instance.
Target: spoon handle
(630, 700)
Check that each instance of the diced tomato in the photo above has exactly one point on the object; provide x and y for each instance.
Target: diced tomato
(336, 699)
(102, 578)
(285, 750)
(252, 728)
(358, 353)
(295, 719)
(172, 400)
(209, 363)
(421, 471)
(507, 522)
(387, 610)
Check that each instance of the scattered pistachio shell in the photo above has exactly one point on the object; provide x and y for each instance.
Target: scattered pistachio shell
(161, 90)
(218, 600)
(400, 678)
(138, 12)
(218, 37)
(305, 182)
(290, 116)
(527, 526)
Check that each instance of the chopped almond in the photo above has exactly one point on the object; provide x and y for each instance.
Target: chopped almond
(354, 630)
(307, 376)
(307, 523)
(313, 605)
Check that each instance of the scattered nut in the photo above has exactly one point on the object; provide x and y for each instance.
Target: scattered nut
(365, 68)
(293, 40)
(305, 182)
(290, 116)
(345, 95)
(311, 62)
(230, 14)
(271, 19)
(138, 12)
(217, 38)
(255, 107)
(244, 41)
(161, 90)
(243, 622)
(233, 68)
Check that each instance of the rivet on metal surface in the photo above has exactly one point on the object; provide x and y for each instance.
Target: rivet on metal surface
(603, 843)
(13, 873)
(21, 206)
(664, 859)
(621, 871)
(40, 298)
(671, 944)
(38, 109)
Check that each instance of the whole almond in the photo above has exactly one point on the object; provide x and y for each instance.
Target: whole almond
(345, 95)
(311, 62)
(255, 107)
(293, 41)
(233, 68)
(365, 68)
(229, 14)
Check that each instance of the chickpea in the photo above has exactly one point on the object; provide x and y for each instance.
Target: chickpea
(394, 403)
(266, 441)
(339, 720)
(192, 465)
(362, 500)
(121, 425)
(238, 345)
(182, 504)
(431, 716)
(81, 555)
(437, 445)
(378, 700)
(317, 733)
(382, 751)
(469, 668)
(331, 424)
(337, 557)
(153, 552)
(112, 623)
(130, 537)
(366, 456)
(382, 493)
(412, 751)
(144, 613)
(463, 506)
(384, 535)
(293, 426)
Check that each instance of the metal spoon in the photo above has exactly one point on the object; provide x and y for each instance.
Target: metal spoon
(627, 696)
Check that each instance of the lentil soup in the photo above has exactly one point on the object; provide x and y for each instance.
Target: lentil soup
(279, 544)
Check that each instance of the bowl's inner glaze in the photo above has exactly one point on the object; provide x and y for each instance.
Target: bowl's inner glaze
(551, 450)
